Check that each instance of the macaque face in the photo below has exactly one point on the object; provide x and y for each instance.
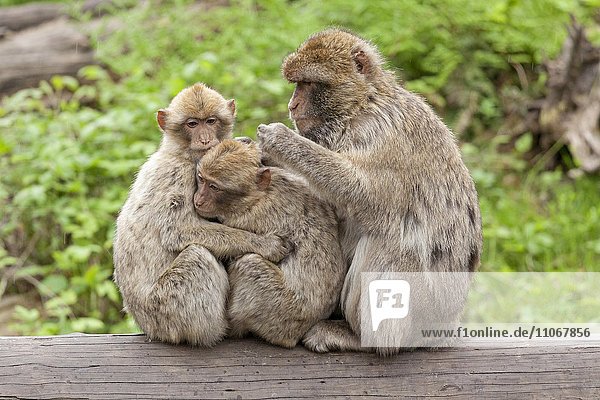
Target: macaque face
(202, 133)
(332, 85)
(199, 118)
(229, 180)
(304, 105)
(218, 197)
(211, 199)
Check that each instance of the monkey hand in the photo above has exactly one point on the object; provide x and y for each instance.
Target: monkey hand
(243, 139)
(270, 135)
(275, 249)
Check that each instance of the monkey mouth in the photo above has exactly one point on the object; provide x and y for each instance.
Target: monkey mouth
(202, 149)
(306, 123)
(208, 216)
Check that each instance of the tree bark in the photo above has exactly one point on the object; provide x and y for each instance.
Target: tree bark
(53, 48)
(17, 18)
(570, 112)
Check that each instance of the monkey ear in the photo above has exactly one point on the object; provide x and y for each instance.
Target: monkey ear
(362, 62)
(231, 106)
(161, 118)
(263, 178)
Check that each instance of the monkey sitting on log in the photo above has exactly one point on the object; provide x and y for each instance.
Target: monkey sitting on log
(391, 168)
(165, 256)
(278, 303)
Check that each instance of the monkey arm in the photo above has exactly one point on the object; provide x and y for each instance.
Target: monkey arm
(223, 241)
(334, 176)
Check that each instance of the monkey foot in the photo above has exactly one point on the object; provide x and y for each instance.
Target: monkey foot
(327, 336)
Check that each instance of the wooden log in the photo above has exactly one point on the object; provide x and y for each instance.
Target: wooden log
(126, 366)
(17, 18)
(53, 48)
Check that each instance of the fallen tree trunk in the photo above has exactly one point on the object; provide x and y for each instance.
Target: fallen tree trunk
(17, 18)
(39, 40)
(53, 48)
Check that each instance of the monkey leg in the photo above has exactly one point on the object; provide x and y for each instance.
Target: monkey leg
(345, 335)
(188, 302)
(260, 302)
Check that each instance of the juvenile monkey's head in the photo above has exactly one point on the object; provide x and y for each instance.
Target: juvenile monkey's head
(198, 118)
(230, 179)
(335, 73)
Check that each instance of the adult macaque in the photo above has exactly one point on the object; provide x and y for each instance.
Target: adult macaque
(390, 166)
(164, 254)
(279, 303)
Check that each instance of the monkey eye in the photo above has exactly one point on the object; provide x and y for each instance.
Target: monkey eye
(211, 120)
(191, 123)
(200, 178)
(214, 187)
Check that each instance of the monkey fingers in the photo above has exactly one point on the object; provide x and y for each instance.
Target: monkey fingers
(268, 135)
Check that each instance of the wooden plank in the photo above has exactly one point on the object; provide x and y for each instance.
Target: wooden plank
(126, 366)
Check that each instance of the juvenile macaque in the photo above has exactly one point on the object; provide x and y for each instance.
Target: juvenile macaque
(165, 256)
(388, 164)
(279, 303)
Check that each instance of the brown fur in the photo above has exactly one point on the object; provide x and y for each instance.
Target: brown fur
(279, 303)
(172, 285)
(388, 164)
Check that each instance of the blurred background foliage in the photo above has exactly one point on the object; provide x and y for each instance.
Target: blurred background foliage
(70, 148)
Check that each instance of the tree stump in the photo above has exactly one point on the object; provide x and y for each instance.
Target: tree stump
(570, 112)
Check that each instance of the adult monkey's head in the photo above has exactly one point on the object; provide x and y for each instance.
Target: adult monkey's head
(336, 74)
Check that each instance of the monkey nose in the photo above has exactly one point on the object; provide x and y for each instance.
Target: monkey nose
(292, 106)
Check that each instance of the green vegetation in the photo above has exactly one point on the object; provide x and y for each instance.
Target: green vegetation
(69, 150)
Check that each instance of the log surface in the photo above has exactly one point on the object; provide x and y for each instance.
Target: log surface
(39, 40)
(16, 18)
(53, 48)
(126, 366)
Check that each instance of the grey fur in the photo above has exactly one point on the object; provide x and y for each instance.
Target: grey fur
(389, 165)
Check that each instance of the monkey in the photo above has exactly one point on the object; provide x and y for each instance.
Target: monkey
(278, 303)
(166, 258)
(389, 165)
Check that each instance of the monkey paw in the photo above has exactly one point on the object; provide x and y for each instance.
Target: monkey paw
(276, 249)
(332, 335)
(318, 340)
(243, 139)
(272, 134)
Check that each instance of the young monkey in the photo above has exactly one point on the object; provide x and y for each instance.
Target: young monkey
(165, 256)
(279, 303)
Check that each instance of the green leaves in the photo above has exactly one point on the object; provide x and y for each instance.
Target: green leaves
(524, 143)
